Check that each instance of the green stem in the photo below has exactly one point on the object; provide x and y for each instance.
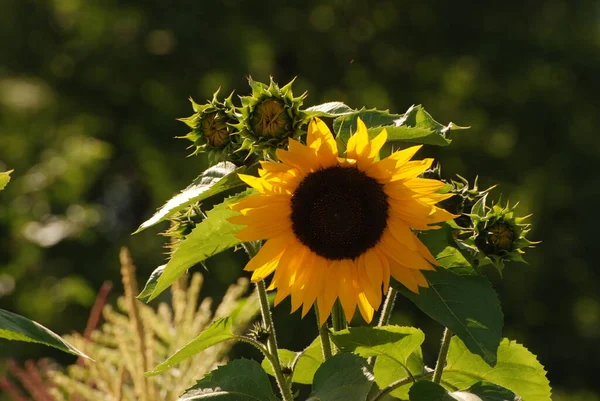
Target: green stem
(388, 307)
(284, 387)
(279, 376)
(324, 336)
(399, 383)
(441, 361)
(338, 319)
(386, 313)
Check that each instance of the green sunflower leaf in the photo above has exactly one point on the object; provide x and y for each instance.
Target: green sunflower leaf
(414, 126)
(329, 109)
(481, 391)
(467, 305)
(219, 331)
(387, 371)
(216, 179)
(517, 369)
(443, 247)
(213, 235)
(239, 380)
(19, 328)
(144, 296)
(341, 376)
(485, 391)
(4, 179)
(307, 364)
(398, 351)
(429, 391)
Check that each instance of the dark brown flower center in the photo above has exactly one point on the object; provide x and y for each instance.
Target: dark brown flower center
(339, 212)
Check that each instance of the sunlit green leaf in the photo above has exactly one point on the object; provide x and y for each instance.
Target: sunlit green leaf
(342, 377)
(213, 235)
(4, 179)
(467, 305)
(485, 391)
(144, 296)
(239, 380)
(388, 370)
(517, 369)
(218, 178)
(19, 328)
(307, 364)
(329, 109)
(414, 126)
(443, 246)
(216, 333)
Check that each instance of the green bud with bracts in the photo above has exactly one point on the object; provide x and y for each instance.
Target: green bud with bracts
(269, 117)
(463, 200)
(212, 129)
(498, 235)
(183, 223)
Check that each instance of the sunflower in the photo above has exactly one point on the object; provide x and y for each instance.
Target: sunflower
(338, 228)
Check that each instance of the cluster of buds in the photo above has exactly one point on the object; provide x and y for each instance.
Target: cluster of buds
(493, 234)
(264, 122)
(464, 197)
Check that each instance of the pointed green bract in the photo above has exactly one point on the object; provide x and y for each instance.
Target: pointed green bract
(213, 235)
(144, 296)
(341, 378)
(19, 328)
(398, 351)
(517, 369)
(306, 365)
(4, 179)
(218, 178)
(239, 380)
(467, 305)
(216, 333)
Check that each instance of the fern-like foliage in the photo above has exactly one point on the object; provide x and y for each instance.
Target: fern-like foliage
(136, 337)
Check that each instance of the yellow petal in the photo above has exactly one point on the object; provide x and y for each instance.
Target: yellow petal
(271, 251)
(358, 141)
(412, 169)
(376, 144)
(366, 310)
(318, 130)
(348, 293)
(404, 276)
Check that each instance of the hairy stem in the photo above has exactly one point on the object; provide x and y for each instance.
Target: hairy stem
(324, 336)
(284, 386)
(441, 361)
(386, 313)
(388, 306)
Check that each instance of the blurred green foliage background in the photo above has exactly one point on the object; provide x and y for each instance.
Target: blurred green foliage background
(90, 89)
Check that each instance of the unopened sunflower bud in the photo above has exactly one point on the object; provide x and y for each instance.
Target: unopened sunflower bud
(212, 129)
(259, 332)
(498, 234)
(184, 222)
(269, 117)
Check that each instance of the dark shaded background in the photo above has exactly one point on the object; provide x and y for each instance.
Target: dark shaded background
(90, 89)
